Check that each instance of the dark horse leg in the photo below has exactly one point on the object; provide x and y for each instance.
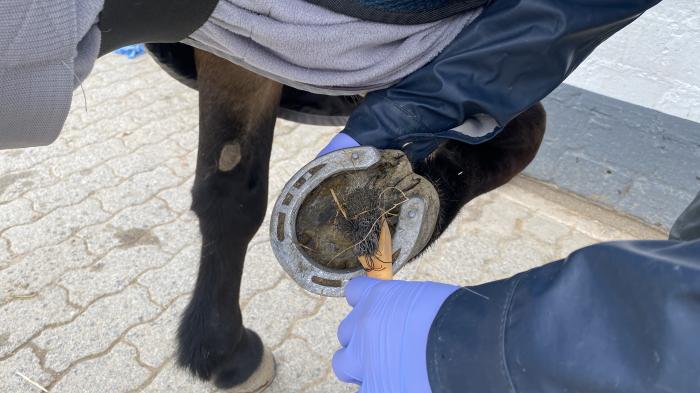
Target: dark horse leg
(461, 172)
(237, 118)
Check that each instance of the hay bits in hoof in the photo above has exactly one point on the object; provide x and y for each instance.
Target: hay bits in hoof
(364, 220)
(342, 218)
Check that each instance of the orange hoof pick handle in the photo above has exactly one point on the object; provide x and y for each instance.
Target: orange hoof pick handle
(380, 265)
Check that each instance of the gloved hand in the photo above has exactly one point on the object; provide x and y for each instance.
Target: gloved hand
(340, 141)
(385, 336)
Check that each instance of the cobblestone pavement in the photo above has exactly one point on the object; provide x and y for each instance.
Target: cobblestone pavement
(98, 250)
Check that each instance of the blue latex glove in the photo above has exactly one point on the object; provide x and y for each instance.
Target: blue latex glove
(131, 51)
(340, 141)
(385, 336)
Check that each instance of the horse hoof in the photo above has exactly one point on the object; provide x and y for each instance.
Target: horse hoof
(260, 379)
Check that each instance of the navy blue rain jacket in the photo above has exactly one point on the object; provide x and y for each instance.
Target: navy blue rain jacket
(621, 317)
(511, 57)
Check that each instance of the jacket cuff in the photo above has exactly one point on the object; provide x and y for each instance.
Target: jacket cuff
(475, 318)
(381, 123)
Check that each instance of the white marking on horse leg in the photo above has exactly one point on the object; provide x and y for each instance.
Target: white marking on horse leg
(230, 156)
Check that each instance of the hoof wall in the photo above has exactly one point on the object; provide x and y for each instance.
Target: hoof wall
(261, 378)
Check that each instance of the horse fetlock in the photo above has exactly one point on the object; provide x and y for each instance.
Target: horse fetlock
(202, 348)
(249, 368)
(261, 378)
(214, 345)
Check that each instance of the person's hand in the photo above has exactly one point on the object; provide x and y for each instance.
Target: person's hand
(384, 338)
(340, 141)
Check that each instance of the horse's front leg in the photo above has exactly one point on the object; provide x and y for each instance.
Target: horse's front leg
(237, 117)
(462, 172)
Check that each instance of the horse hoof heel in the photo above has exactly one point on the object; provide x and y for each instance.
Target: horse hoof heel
(261, 378)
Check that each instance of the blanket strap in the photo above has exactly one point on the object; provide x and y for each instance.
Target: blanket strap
(127, 22)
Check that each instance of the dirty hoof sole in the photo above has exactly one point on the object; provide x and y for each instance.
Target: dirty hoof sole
(260, 379)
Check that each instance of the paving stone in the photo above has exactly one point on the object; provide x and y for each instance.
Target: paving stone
(262, 235)
(563, 214)
(22, 318)
(55, 226)
(87, 157)
(575, 241)
(156, 340)
(272, 313)
(72, 189)
(332, 384)
(26, 363)
(37, 269)
(153, 132)
(462, 260)
(140, 110)
(174, 279)
(23, 159)
(95, 329)
(172, 99)
(5, 255)
(107, 70)
(183, 166)
(78, 134)
(600, 231)
(174, 379)
(178, 198)
(145, 158)
(261, 270)
(112, 273)
(136, 189)
(14, 185)
(409, 270)
(545, 229)
(115, 372)
(283, 170)
(284, 127)
(297, 367)
(311, 138)
(182, 232)
(319, 330)
(452, 231)
(502, 216)
(188, 139)
(472, 210)
(519, 255)
(16, 212)
(281, 154)
(461, 263)
(479, 241)
(131, 226)
(120, 87)
(141, 107)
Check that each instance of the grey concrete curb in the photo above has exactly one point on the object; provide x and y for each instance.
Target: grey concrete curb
(635, 160)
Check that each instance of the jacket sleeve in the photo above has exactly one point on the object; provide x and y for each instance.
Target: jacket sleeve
(613, 317)
(512, 56)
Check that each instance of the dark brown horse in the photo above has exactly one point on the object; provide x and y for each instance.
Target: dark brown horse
(238, 110)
